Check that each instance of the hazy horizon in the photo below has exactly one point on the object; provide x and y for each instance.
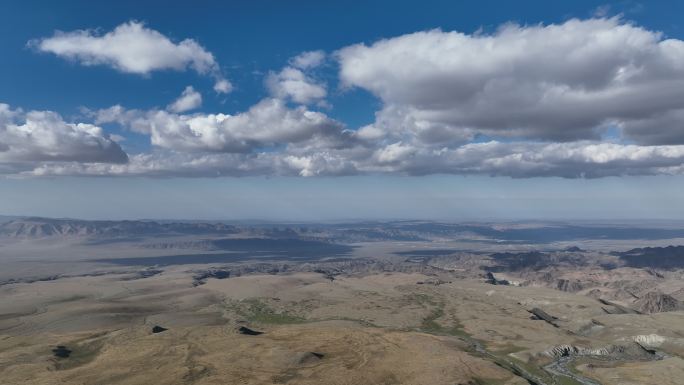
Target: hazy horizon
(343, 198)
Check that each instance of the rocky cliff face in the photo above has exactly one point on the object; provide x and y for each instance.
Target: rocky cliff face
(657, 302)
(569, 285)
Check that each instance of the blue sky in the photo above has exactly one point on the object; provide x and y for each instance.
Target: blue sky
(249, 36)
(431, 109)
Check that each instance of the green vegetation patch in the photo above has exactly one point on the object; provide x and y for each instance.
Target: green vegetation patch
(256, 310)
(82, 352)
(431, 322)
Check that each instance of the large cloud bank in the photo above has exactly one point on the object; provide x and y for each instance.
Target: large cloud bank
(585, 98)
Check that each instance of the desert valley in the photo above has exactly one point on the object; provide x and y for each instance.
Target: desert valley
(414, 302)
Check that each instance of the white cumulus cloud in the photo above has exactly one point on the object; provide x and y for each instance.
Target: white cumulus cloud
(268, 123)
(223, 86)
(309, 59)
(189, 100)
(292, 83)
(558, 82)
(133, 48)
(29, 138)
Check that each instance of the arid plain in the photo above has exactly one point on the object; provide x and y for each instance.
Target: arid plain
(117, 310)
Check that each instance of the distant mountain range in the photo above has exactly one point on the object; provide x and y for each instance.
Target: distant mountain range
(36, 227)
(662, 257)
(7, 218)
(531, 233)
(45, 227)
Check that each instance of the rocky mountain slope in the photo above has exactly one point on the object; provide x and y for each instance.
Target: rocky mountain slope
(657, 302)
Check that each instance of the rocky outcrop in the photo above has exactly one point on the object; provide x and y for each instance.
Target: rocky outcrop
(627, 351)
(657, 302)
(569, 285)
(249, 332)
(490, 279)
(540, 314)
(650, 340)
(201, 277)
(614, 308)
(594, 293)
